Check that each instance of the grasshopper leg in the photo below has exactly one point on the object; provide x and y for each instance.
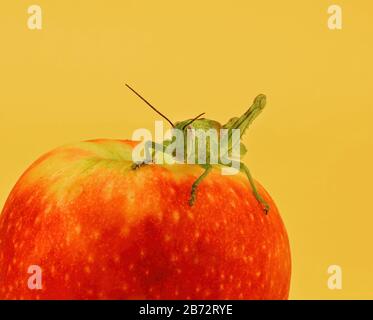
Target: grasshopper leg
(139, 164)
(197, 182)
(253, 186)
(149, 145)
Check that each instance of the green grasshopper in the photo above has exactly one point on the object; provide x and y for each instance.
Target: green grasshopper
(198, 123)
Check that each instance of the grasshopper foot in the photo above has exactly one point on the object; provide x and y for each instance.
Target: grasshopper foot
(137, 165)
(196, 184)
(266, 207)
(192, 198)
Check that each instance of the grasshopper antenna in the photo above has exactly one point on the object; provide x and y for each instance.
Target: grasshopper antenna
(148, 103)
(194, 119)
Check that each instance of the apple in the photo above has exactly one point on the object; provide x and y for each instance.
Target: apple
(97, 229)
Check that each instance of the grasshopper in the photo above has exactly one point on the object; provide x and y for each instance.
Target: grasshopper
(198, 123)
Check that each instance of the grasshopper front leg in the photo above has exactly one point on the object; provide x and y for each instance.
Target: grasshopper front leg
(149, 150)
(196, 183)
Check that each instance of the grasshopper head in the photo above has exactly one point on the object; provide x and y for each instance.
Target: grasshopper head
(193, 130)
(197, 124)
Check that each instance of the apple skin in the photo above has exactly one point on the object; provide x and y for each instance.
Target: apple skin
(100, 230)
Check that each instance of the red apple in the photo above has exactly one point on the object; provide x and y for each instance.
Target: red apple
(101, 230)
